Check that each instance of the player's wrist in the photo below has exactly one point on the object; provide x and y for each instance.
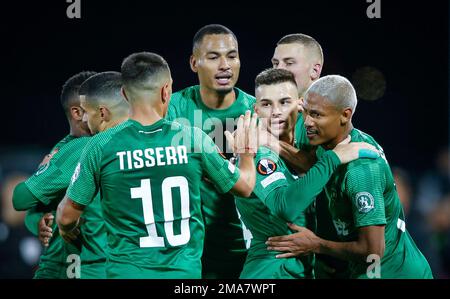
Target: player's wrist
(320, 246)
(247, 154)
(69, 227)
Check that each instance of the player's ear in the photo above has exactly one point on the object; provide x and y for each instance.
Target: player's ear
(105, 114)
(255, 108)
(346, 116)
(123, 92)
(76, 113)
(166, 92)
(315, 71)
(193, 63)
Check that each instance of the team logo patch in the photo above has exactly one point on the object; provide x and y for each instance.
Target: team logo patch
(42, 169)
(266, 166)
(365, 202)
(46, 162)
(76, 173)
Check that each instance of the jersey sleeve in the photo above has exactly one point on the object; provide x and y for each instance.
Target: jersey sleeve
(32, 218)
(289, 201)
(22, 198)
(49, 182)
(269, 174)
(219, 170)
(364, 187)
(85, 179)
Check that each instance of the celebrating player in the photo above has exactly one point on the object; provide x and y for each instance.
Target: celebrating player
(213, 106)
(279, 195)
(362, 196)
(149, 171)
(45, 189)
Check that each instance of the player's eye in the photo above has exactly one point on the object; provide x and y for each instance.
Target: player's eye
(289, 62)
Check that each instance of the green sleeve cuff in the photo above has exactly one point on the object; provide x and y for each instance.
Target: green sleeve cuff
(23, 199)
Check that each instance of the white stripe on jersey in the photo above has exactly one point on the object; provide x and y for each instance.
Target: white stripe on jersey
(272, 178)
(401, 225)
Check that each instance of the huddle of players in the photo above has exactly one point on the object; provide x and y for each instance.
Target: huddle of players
(150, 196)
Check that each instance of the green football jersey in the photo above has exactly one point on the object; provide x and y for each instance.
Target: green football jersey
(324, 224)
(363, 193)
(224, 250)
(49, 185)
(280, 197)
(149, 178)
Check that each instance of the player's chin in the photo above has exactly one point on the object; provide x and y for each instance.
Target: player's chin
(275, 132)
(314, 139)
(224, 89)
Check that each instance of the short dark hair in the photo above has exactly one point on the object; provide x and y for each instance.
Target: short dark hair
(139, 70)
(71, 88)
(105, 86)
(274, 76)
(209, 30)
(302, 39)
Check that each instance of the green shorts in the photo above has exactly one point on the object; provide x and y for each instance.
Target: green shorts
(273, 268)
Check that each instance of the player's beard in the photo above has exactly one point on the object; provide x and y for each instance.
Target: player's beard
(224, 91)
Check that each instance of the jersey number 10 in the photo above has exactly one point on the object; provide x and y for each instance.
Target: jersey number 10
(145, 193)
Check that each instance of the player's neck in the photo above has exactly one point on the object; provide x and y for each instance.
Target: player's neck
(214, 100)
(76, 130)
(114, 122)
(288, 138)
(339, 138)
(146, 115)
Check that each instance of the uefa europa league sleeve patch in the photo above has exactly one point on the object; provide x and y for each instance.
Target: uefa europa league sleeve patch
(364, 202)
(266, 167)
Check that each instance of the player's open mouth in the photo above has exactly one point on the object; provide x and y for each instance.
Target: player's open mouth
(223, 79)
(311, 133)
(277, 124)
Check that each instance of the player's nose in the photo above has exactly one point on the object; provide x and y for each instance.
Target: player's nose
(224, 64)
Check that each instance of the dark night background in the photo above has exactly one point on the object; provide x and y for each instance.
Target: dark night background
(409, 45)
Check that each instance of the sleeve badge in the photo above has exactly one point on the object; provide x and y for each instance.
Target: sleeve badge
(266, 167)
(364, 202)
